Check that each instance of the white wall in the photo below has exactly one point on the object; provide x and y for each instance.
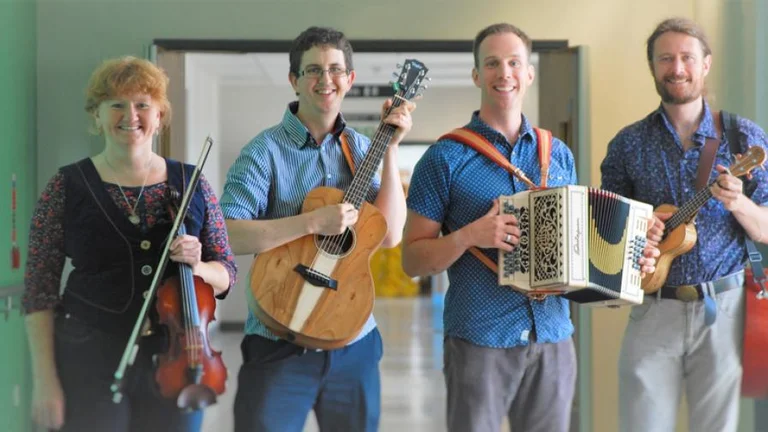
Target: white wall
(203, 121)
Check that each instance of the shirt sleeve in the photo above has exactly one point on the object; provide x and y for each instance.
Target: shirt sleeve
(246, 189)
(614, 176)
(429, 191)
(46, 256)
(213, 236)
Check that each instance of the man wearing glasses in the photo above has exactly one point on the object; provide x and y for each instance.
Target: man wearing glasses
(279, 382)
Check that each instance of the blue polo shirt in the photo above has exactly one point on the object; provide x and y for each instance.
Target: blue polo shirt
(454, 185)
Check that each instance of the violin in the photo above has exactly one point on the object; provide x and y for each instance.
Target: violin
(189, 371)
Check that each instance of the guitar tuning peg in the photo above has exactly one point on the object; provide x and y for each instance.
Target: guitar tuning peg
(399, 66)
(395, 75)
(429, 78)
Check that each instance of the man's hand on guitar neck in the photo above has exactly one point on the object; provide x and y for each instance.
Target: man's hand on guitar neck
(728, 189)
(400, 118)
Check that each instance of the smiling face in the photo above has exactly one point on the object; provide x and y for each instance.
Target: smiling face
(503, 73)
(320, 96)
(679, 67)
(129, 120)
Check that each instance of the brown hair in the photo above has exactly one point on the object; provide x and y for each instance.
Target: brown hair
(127, 76)
(677, 25)
(495, 29)
(318, 37)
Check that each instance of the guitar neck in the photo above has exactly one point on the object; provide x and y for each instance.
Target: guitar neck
(363, 179)
(685, 213)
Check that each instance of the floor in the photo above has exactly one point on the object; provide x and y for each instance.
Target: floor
(413, 392)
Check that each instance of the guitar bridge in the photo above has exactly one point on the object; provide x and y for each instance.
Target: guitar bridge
(315, 278)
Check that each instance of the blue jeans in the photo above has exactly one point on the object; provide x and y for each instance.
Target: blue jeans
(86, 360)
(280, 383)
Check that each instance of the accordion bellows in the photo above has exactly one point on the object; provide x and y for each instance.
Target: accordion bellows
(581, 242)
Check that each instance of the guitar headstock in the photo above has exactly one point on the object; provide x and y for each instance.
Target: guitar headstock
(410, 81)
(753, 158)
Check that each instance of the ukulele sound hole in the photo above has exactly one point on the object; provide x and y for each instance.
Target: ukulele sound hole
(337, 245)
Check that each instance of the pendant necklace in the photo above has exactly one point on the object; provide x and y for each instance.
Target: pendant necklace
(133, 217)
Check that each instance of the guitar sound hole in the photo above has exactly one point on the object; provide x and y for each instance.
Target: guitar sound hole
(339, 245)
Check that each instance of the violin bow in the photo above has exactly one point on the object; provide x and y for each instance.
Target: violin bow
(132, 348)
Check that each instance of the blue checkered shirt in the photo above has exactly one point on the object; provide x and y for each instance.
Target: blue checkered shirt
(454, 185)
(276, 170)
(646, 162)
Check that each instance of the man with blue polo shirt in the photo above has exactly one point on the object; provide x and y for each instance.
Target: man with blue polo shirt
(279, 382)
(504, 354)
(687, 344)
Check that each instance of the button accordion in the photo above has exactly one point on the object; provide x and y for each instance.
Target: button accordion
(581, 242)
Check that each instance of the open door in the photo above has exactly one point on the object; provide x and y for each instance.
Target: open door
(563, 109)
(171, 142)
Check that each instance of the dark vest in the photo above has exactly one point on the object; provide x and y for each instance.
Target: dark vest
(114, 261)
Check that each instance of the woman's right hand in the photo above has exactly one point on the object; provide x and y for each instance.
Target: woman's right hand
(48, 403)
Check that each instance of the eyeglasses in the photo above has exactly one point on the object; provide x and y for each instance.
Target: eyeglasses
(317, 72)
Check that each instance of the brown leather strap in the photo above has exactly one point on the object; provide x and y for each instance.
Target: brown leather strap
(482, 146)
(708, 152)
(347, 151)
(544, 137)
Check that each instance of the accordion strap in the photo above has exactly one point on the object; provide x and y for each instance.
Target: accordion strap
(483, 146)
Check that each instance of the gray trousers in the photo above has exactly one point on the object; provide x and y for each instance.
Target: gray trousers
(667, 349)
(532, 385)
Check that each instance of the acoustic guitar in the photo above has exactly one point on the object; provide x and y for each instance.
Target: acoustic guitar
(317, 291)
(679, 230)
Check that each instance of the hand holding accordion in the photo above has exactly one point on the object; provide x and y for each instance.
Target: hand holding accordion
(581, 242)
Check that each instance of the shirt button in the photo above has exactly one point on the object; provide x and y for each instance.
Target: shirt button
(328, 176)
(146, 270)
(145, 244)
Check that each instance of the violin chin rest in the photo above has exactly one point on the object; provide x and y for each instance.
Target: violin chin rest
(195, 397)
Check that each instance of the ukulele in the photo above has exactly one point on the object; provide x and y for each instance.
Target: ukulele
(679, 230)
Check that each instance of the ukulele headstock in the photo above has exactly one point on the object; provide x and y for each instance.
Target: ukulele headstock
(753, 158)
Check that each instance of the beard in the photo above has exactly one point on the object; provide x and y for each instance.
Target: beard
(692, 93)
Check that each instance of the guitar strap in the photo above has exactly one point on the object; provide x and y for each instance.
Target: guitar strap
(706, 162)
(731, 128)
(707, 159)
(347, 151)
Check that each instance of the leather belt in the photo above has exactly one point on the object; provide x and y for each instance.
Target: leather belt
(690, 293)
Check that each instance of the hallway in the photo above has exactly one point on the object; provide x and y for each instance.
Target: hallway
(413, 391)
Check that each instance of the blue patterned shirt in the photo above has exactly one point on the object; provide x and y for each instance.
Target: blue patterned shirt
(276, 170)
(646, 162)
(454, 185)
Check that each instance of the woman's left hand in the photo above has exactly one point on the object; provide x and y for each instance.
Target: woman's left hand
(186, 249)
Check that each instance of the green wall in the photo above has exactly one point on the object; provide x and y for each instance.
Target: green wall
(18, 79)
